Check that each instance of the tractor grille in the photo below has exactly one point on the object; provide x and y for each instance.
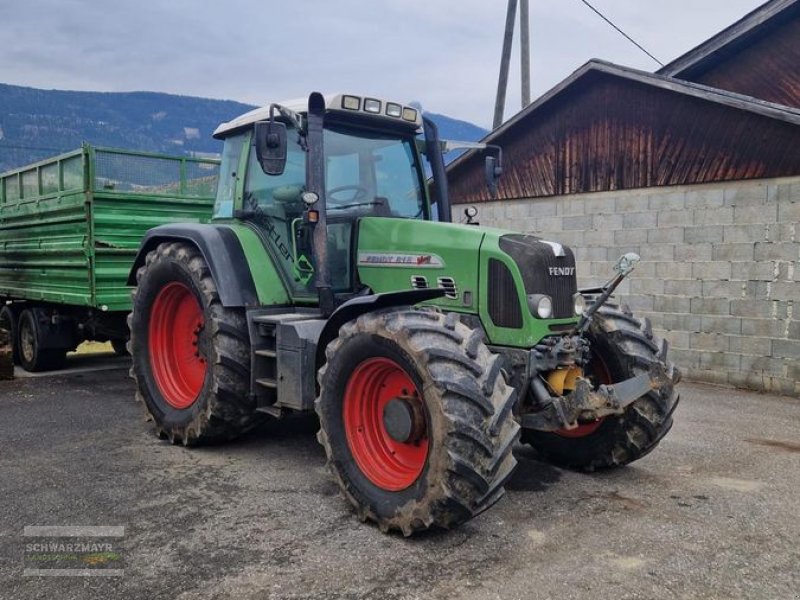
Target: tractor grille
(504, 308)
(546, 268)
(448, 284)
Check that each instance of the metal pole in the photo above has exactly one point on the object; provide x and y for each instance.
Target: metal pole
(525, 52)
(505, 60)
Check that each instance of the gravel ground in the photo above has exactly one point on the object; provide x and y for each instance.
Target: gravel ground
(714, 512)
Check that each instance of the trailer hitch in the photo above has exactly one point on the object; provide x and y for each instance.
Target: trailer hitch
(588, 404)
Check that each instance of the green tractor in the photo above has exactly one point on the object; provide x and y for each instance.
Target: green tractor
(332, 280)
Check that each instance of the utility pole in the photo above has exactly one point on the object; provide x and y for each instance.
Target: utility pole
(525, 52)
(505, 60)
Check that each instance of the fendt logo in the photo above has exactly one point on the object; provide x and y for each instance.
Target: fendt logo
(561, 271)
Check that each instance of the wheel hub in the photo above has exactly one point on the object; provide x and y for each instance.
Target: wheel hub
(404, 420)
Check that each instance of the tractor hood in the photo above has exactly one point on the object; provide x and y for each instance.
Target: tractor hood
(488, 272)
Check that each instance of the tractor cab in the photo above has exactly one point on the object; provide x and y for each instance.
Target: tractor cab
(285, 182)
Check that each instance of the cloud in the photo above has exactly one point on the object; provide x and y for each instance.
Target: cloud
(444, 54)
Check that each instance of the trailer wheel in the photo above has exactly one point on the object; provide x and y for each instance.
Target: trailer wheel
(33, 357)
(191, 355)
(8, 321)
(622, 347)
(416, 419)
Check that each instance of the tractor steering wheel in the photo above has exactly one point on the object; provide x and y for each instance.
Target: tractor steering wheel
(359, 193)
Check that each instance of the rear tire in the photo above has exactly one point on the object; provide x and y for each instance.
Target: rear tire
(460, 457)
(33, 357)
(8, 321)
(191, 355)
(625, 347)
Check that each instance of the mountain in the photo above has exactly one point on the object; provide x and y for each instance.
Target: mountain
(36, 124)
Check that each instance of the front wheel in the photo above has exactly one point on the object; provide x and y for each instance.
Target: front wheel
(416, 419)
(191, 355)
(622, 347)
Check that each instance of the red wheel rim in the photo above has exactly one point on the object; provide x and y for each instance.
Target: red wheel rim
(176, 321)
(602, 376)
(389, 464)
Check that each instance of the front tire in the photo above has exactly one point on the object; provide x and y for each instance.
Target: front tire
(622, 347)
(191, 355)
(448, 460)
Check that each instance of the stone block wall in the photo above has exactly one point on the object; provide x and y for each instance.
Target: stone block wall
(720, 270)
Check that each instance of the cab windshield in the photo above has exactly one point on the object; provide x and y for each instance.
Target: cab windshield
(370, 173)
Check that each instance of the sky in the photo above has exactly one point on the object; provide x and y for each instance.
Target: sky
(443, 54)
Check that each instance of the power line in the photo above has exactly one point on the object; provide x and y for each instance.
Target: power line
(625, 35)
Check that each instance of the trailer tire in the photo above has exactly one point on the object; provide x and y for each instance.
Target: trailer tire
(8, 321)
(449, 460)
(191, 355)
(625, 347)
(33, 357)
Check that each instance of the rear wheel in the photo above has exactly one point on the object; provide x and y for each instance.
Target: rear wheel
(32, 355)
(191, 355)
(622, 347)
(8, 321)
(416, 419)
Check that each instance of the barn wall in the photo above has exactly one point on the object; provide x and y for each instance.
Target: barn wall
(720, 276)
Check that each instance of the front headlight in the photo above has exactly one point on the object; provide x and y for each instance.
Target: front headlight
(540, 305)
(580, 303)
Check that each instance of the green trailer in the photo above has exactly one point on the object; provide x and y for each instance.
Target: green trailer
(70, 227)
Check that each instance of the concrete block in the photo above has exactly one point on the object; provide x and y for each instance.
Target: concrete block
(708, 341)
(739, 234)
(722, 324)
(761, 309)
(675, 218)
(571, 206)
(624, 237)
(547, 225)
(755, 346)
(640, 220)
(667, 201)
(608, 222)
(711, 270)
(763, 327)
(780, 385)
(697, 235)
(665, 235)
(746, 214)
(732, 252)
(784, 290)
(764, 365)
(676, 339)
(643, 269)
(710, 306)
(641, 285)
(581, 222)
(630, 202)
(599, 237)
(751, 271)
(744, 194)
(792, 330)
(705, 198)
(720, 360)
(713, 216)
(683, 287)
(597, 204)
(746, 379)
(789, 210)
(658, 252)
(685, 359)
(673, 304)
(596, 253)
(572, 238)
(723, 289)
(777, 251)
(693, 252)
(673, 270)
(681, 322)
(785, 232)
(712, 376)
(786, 348)
(545, 207)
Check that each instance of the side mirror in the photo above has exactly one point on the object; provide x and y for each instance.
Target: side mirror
(494, 168)
(271, 146)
